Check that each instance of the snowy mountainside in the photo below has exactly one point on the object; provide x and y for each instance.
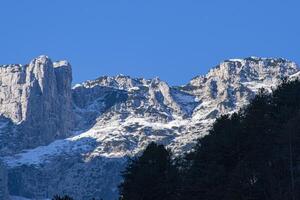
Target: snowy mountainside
(116, 117)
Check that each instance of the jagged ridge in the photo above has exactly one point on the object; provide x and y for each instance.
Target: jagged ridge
(116, 117)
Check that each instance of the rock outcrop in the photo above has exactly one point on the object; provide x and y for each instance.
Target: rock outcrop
(35, 100)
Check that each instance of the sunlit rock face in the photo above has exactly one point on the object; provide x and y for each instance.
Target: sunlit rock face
(90, 130)
(232, 83)
(35, 103)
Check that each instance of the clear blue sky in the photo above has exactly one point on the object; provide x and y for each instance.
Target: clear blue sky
(175, 40)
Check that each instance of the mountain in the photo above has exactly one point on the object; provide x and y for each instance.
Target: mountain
(58, 139)
(34, 101)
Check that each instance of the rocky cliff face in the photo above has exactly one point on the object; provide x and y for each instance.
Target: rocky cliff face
(232, 83)
(116, 117)
(34, 101)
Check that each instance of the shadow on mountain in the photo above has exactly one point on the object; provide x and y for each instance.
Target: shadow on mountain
(66, 172)
(91, 103)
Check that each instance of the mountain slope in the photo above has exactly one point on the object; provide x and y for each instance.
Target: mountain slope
(114, 118)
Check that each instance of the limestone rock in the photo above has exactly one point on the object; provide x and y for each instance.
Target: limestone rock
(35, 99)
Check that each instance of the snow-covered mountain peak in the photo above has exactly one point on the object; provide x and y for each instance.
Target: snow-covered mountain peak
(247, 70)
(253, 68)
(232, 83)
(115, 117)
(117, 82)
(122, 82)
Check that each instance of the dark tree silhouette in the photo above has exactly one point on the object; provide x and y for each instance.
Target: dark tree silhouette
(150, 176)
(65, 197)
(253, 154)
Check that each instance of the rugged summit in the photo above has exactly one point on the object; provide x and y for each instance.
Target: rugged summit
(234, 82)
(104, 121)
(34, 101)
